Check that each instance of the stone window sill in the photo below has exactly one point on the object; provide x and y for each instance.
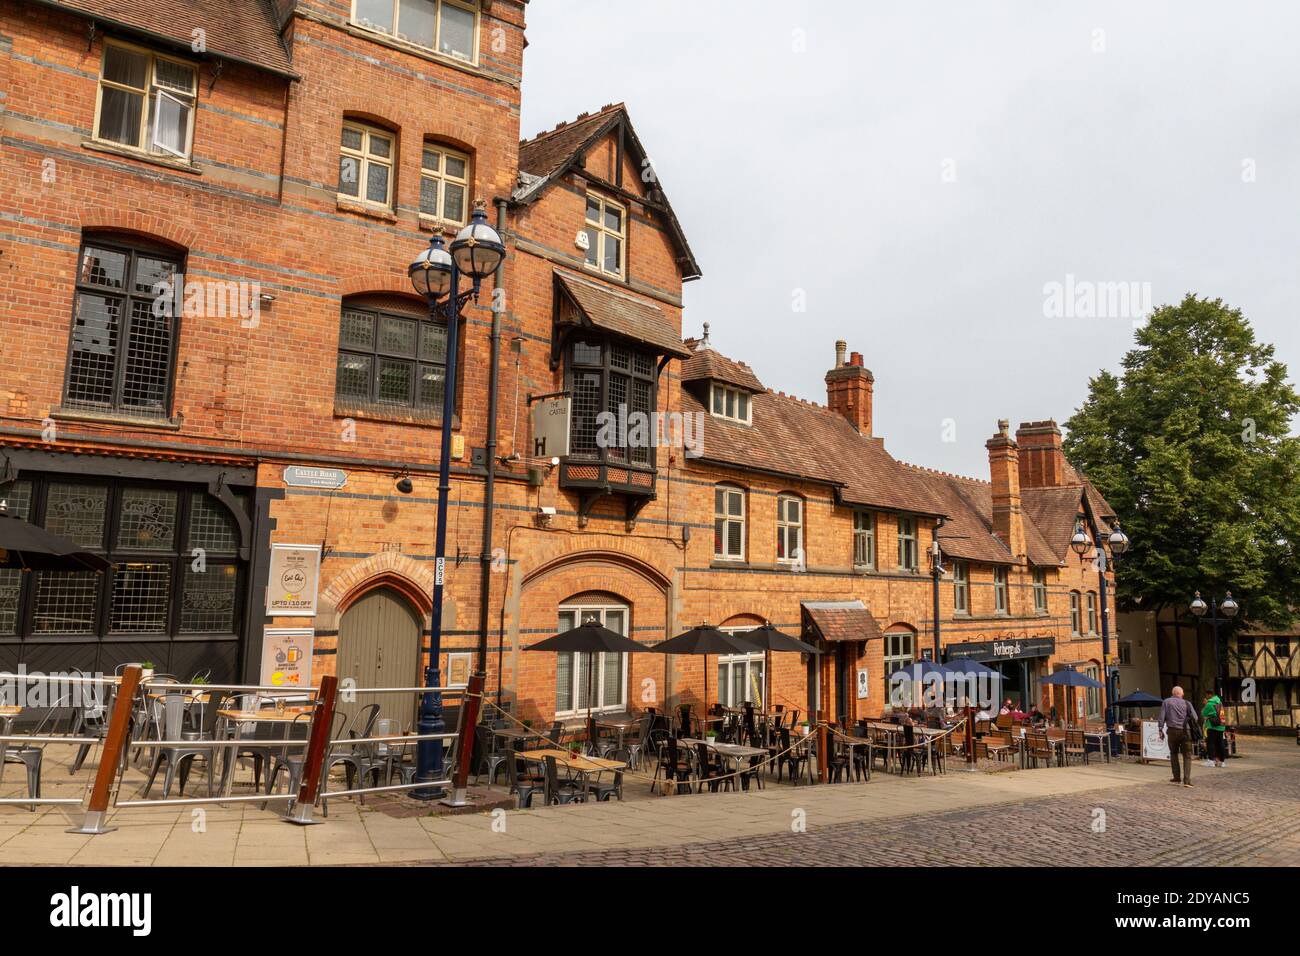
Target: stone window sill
(125, 152)
(116, 418)
(394, 417)
(382, 213)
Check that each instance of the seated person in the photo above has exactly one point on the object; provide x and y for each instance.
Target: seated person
(1007, 708)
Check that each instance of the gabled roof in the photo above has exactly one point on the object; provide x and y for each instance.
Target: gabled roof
(242, 31)
(707, 364)
(842, 621)
(548, 156)
(611, 310)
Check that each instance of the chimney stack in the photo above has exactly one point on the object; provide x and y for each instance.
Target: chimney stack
(1042, 462)
(848, 389)
(1004, 471)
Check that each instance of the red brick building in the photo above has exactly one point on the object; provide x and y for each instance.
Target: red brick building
(273, 175)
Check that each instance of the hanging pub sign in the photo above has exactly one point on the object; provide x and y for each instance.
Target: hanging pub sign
(551, 428)
(293, 580)
(286, 657)
(1011, 649)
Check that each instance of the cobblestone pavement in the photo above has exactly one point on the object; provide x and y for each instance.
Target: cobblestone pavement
(1247, 818)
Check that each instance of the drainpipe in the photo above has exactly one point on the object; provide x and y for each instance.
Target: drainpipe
(485, 556)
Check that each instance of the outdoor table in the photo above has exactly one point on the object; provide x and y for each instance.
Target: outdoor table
(1103, 740)
(619, 725)
(729, 752)
(514, 733)
(852, 742)
(585, 766)
(241, 717)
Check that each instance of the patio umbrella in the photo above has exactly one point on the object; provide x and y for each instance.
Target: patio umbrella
(1139, 698)
(25, 546)
(703, 639)
(769, 639)
(1069, 677)
(590, 638)
(920, 671)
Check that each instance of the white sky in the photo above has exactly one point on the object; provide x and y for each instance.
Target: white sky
(822, 170)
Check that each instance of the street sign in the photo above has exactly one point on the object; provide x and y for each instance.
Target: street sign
(551, 428)
(296, 476)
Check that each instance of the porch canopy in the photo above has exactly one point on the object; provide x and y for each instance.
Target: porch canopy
(840, 624)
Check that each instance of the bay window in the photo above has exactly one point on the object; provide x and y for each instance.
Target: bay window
(612, 401)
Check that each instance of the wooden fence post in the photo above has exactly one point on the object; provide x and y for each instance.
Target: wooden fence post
(110, 758)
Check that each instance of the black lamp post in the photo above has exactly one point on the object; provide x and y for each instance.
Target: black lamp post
(936, 574)
(1118, 542)
(1229, 610)
(475, 252)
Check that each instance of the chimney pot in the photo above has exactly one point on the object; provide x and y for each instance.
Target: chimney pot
(840, 346)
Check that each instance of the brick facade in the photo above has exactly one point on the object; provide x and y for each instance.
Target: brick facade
(258, 201)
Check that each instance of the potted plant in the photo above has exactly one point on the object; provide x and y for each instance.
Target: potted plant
(804, 727)
(146, 670)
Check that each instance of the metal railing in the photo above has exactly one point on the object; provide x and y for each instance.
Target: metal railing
(133, 689)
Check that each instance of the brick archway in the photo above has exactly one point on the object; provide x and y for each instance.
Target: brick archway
(130, 220)
(406, 576)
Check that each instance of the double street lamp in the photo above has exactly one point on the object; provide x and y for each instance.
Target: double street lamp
(1118, 542)
(435, 274)
(1228, 609)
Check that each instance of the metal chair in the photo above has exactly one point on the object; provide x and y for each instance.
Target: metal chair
(602, 790)
(561, 791)
(32, 755)
(522, 783)
(290, 759)
(171, 713)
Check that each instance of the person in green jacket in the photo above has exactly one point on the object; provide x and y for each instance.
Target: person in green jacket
(1216, 745)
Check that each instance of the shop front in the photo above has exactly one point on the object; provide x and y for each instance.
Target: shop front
(1021, 663)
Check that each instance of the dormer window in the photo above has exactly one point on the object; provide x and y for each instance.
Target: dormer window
(606, 232)
(448, 26)
(732, 403)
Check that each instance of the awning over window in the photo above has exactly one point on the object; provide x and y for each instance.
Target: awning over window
(841, 621)
(611, 311)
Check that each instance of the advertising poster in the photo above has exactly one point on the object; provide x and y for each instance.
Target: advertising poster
(286, 657)
(293, 580)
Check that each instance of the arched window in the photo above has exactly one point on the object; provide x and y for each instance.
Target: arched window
(123, 351)
(444, 184)
(1075, 620)
(366, 158)
(789, 529)
(741, 677)
(729, 523)
(392, 358)
(581, 679)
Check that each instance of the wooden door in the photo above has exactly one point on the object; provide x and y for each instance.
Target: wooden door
(379, 646)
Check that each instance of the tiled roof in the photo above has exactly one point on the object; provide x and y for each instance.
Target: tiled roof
(548, 151)
(1053, 512)
(968, 533)
(804, 440)
(622, 314)
(842, 621)
(241, 30)
(706, 363)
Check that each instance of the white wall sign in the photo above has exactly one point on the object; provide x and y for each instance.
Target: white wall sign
(293, 580)
(864, 684)
(298, 476)
(287, 656)
(551, 428)
(458, 668)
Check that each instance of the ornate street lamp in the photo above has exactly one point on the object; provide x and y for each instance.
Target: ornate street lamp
(435, 274)
(1117, 541)
(1228, 609)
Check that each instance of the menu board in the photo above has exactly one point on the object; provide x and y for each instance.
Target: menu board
(287, 656)
(293, 580)
(1153, 746)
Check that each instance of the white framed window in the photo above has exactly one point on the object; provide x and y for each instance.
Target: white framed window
(366, 164)
(789, 529)
(146, 101)
(1125, 656)
(728, 523)
(606, 231)
(899, 652)
(731, 403)
(740, 676)
(1075, 614)
(1092, 612)
(864, 539)
(444, 184)
(1093, 696)
(1000, 598)
(1040, 590)
(605, 674)
(449, 27)
(961, 587)
(907, 543)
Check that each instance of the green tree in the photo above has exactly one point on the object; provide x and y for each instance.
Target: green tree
(1192, 447)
